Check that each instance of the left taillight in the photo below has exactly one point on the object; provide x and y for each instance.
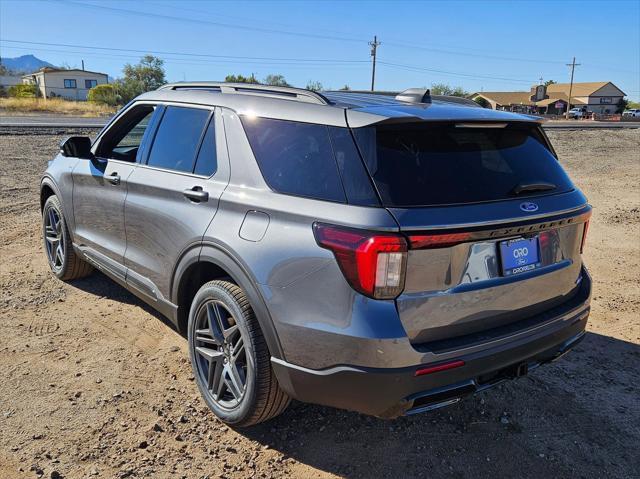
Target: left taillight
(584, 235)
(373, 263)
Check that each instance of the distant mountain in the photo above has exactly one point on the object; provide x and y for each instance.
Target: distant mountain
(24, 64)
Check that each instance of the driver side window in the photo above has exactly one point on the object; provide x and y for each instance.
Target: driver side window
(123, 140)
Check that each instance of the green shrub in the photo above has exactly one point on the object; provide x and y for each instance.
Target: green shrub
(23, 91)
(105, 94)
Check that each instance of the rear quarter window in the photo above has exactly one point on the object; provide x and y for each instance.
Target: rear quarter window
(295, 158)
(443, 164)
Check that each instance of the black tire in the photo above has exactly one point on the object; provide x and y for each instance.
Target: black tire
(262, 398)
(66, 264)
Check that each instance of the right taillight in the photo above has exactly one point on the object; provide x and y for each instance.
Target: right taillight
(373, 263)
(584, 236)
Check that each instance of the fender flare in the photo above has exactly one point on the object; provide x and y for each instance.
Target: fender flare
(219, 256)
(50, 183)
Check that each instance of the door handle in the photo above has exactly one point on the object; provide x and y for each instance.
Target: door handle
(113, 178)
(196, 194)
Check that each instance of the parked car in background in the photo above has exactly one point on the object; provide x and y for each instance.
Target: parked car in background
(578, 113)
(387, 255)
(632, 112)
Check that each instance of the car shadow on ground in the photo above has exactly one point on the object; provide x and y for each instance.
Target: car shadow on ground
(556, 422)
(102, 286)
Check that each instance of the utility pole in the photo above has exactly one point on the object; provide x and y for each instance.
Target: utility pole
(573, 66)
(374, 49)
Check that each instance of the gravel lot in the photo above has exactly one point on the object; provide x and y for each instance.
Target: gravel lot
(95, 384)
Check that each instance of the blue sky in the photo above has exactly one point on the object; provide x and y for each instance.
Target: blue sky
(492, 45)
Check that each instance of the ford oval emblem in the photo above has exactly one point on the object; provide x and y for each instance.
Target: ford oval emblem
(528, 206)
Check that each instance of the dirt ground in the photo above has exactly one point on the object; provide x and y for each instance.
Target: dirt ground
(94, 384)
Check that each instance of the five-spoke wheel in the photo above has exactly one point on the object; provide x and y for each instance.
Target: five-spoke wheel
(62, 258)
(230, 357)
(221, 357)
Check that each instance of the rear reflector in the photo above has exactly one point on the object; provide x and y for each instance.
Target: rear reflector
(373, 263)
(439, 367)
(442, 240)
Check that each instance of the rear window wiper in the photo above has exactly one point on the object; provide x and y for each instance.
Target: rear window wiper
(532, 186)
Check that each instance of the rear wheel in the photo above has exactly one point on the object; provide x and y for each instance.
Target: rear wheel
(230, 358)
(63, 260)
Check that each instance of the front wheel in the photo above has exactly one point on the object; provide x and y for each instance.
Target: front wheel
(230, 358)
(63, 260)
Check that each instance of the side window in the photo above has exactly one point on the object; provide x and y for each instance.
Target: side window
(123, 140)
(295, 158)
(69, 83)
(207, 161)
(177, 139)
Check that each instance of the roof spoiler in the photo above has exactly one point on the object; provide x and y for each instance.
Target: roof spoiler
(415, 95)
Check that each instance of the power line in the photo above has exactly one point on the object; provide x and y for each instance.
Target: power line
(159, 52)
(209, 22)
(460, 74)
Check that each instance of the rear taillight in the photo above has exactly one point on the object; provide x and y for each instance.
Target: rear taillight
(584, 236)
(439, 240)
(373, 263)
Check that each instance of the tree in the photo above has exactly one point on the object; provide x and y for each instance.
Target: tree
(314, 85)
(482, 102)
(622, 105)
(550, 82)
(345, 88)
(146, 75)
(106, 94)
(445, 89)
(241, 79)
(275, 80)
(633, 104)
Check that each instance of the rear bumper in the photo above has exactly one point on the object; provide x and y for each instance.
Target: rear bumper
(391, 392)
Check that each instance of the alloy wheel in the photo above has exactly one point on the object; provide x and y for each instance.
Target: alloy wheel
(54, 238)
(220, 354)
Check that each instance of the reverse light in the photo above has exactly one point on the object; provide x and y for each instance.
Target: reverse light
(373, 263)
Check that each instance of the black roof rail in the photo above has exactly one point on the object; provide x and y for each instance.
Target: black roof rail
(289, 93)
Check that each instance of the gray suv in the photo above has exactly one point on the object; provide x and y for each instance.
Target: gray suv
(387, 255)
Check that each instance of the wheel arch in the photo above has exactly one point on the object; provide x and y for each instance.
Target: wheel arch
(48, 188)
(200, 265)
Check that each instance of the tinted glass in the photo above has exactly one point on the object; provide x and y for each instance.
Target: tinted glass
(295, 158)
(177, 138)
(207, 162)
(423, 165)
(355, 180)
(122, 142)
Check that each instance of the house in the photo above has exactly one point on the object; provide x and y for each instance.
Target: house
(69, 84)
(597, 97)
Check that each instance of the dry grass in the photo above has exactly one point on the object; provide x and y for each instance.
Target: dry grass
(54, 105)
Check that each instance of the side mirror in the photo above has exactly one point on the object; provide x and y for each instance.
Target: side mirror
(76, 147)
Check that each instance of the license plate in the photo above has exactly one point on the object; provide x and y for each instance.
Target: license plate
(519, 255)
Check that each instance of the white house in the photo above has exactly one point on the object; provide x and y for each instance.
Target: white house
(69, 84)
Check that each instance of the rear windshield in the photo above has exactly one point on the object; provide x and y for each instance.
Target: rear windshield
(435, 164)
